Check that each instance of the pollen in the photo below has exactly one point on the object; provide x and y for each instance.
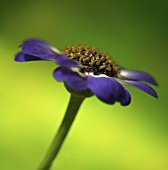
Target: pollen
(90, 60)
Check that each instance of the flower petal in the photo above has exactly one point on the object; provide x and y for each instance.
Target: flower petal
(126, 98)
(34, 49)
(106, 89)
(38, 48)
(21, 57)
(60, 59)
(65, 61)
(144, 87)
(72, 79)
(137, 75)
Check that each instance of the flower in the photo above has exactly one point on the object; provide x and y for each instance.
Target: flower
(86, 71)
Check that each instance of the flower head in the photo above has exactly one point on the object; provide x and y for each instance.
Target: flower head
(86, 71)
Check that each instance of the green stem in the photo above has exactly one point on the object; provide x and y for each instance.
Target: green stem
(73, 107)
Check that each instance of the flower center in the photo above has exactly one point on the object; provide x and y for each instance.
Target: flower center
(90, 60)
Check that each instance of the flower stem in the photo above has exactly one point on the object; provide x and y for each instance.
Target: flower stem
(73, 107)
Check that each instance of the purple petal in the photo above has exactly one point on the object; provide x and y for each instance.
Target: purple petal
(144, 87)
(106, 89)
(34, 49)
(72, 79)
(21, 57)
(38, 48)
(126, 98)
(62, 60)
(65, 61)
(137, 75)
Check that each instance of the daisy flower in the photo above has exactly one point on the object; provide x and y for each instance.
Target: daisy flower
(85, 72)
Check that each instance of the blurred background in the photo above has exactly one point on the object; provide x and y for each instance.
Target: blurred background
(32, 103)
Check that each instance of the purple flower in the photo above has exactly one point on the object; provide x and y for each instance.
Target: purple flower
(86, 71)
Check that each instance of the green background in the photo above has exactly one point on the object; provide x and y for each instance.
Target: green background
(32, 103)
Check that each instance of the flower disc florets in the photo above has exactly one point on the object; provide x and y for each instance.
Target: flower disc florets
(90, 60)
